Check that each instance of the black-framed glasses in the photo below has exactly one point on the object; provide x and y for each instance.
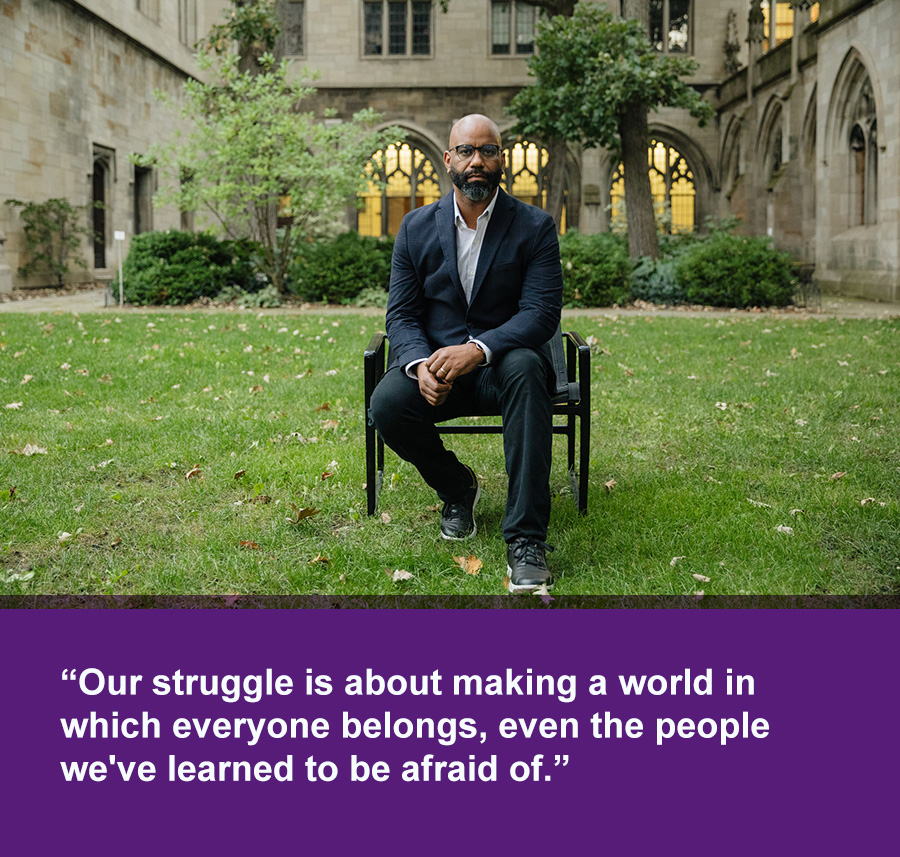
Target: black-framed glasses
(464, 151)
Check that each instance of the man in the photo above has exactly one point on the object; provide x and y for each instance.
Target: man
(475, 294)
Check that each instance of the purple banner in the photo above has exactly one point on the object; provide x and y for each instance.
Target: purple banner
(624, 732)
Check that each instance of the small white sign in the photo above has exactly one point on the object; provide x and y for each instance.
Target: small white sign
(119, 236)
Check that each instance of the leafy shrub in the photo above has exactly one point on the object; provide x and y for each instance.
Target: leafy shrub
(338, 270)
(179, 267)
(654, 281)
(733, 271)
(596, 269)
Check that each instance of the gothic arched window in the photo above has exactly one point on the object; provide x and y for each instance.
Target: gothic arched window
(404, 178)
(523, 178)
(672, 184)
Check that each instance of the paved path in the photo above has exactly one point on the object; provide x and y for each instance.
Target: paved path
(94, 301)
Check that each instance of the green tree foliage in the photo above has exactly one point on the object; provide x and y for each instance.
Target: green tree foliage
(593, 73)
(53, 233)
(257, 165)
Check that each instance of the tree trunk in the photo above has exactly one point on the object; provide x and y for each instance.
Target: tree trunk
(635, 137)
(555, 179)
(634, 134)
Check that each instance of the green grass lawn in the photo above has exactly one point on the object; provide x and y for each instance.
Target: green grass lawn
(739, 455)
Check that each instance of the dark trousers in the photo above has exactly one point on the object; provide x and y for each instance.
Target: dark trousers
(516, 385)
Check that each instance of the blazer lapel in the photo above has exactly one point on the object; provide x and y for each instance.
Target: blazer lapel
(447, 233)
(498, 226)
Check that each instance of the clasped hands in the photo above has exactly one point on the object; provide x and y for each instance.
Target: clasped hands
(437, 374)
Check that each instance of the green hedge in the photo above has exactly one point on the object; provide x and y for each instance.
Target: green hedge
(728, 270)
(178, 267)
(596, 269)
(340, 270)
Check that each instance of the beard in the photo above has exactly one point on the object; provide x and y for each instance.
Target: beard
(477, 191)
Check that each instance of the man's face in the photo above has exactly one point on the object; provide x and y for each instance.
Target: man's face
(476, 176)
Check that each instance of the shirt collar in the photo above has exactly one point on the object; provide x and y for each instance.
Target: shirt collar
(486, 214)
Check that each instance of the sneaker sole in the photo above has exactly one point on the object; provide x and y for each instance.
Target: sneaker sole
(474, 525)
(525, 587)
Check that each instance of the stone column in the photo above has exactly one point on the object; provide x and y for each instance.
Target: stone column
(801, 19)
(755, 35)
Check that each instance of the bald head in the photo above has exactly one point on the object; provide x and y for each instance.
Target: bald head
(475, 125)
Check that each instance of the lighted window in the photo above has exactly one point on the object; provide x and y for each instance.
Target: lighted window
(512, 28)
(782, 28)
(526, 164)
(672, 184)
(401, 178)
(397, 28)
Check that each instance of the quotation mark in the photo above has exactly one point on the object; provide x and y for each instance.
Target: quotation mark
(69, 675)
(561, 760)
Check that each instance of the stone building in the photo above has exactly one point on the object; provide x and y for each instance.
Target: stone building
(805, 146)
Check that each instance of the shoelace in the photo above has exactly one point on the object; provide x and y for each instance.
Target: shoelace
(530, 551)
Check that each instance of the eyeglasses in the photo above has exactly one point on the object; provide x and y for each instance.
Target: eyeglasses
(464, 151)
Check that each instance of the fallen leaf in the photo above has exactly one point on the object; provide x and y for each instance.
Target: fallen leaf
(400, 574)
(302, 513)
(327, 475)
(702, 578)
(795, 512)
(610, 485)
(256, 388)
(758, 503)
(239, 474)
(194, 472)
(868, 500)
(722, 406)
(543, 593)
(262, 498)
(63, 537)
(839, 475)
(323, 407)
(320, 558)
(30, 449)
(788, 531)
(674, 560)
(385, 518)
(469, 564)
(12, 492)
(26, 379)
(13, 406)
(249, 545)
(329, 425)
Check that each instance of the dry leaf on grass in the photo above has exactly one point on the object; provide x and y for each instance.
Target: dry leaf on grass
(840, 475)
(702, 578)
(302, 513)
(246, 543)
(610, 485)
(788, 531)
(400, 574)
(320, 558)
(30, 449)
(385, 518)
(674, 561)
(469, 564)
(239, 474)
(194, 473)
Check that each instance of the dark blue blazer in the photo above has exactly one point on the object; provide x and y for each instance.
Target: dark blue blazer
(517, 295)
